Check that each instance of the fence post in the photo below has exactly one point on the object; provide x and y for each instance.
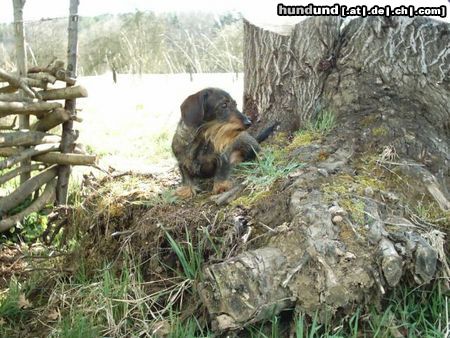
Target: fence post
(68, 134)
(24, 120)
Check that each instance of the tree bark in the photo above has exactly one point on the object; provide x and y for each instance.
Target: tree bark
(283, 80)
(387, 82)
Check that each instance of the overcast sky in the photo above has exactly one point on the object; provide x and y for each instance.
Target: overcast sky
(263, 10)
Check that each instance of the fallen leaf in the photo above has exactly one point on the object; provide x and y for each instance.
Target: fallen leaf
(53, 315)
(23, 303)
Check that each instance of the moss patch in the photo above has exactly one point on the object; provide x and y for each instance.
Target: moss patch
(248, 201)
(380, 131)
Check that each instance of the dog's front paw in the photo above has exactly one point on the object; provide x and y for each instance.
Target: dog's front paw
(185, 192)
(221, 186)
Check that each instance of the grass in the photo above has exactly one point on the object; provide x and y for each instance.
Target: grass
(408, 312)
(120, 303)
(77, 326)
(261, 174)
(190, 257)
(323, 123)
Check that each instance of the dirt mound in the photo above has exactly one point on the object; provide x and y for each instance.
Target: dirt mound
(317, 216)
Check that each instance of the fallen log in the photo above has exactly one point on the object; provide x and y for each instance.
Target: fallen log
(36, 108)
(51, 120)
(64, 93)
(19, 170)
(48, 196)
(27, 138)
(26, 189)
(16, 156)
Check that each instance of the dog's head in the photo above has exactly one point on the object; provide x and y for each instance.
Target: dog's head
(213, 105)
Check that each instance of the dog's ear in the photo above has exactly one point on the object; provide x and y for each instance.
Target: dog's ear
(192, 109)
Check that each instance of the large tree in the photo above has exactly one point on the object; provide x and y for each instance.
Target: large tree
(387, 81)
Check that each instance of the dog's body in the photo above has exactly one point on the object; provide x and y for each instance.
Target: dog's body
(211, 137)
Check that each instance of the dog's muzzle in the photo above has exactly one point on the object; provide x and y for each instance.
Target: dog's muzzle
(247, 122)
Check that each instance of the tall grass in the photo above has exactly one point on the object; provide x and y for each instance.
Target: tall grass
(189, 256)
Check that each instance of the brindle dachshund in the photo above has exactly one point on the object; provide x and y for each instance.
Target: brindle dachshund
(210, 138)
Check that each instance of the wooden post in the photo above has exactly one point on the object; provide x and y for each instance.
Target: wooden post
(24, 120)
(67, 140)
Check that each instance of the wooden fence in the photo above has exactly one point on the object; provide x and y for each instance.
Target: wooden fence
(33, 150)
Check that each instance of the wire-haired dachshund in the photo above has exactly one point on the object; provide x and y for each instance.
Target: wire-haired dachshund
(210, 138)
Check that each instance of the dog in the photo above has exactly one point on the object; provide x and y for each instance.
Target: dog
(210, 137)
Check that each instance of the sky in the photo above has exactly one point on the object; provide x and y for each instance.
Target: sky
(261, 13)
(38, 9)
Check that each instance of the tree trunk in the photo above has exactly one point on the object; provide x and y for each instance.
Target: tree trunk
(283, 79)
(387, 82)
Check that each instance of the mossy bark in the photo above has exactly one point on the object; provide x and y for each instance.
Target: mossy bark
(387, 81)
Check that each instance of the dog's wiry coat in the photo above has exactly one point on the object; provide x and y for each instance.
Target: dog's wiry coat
(209, 138)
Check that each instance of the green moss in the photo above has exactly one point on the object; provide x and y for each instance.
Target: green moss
(369, 120)
(380, 131)
(250, 200)
(302, 138)
(340, 189)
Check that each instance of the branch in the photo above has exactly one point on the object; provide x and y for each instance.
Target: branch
(56, 117)
(16, 82)
(42, 76)
(16, 156)
(67, 159)
(22, 169)
(47, 196)
(8, 108)
(26, 189)
(11, 126)
(64, 93)
(54, 157)
(26, 138)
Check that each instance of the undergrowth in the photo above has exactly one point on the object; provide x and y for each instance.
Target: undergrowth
(119, 304)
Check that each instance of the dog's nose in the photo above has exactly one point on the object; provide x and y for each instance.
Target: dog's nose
(247, 122)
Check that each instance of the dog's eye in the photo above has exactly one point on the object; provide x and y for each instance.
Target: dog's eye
(224, 105)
